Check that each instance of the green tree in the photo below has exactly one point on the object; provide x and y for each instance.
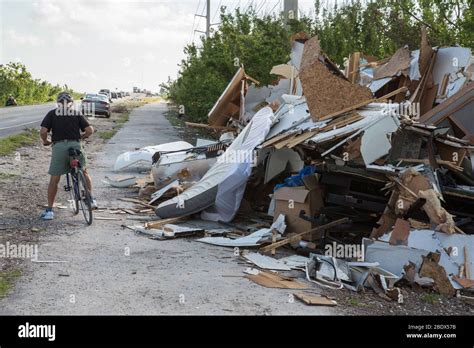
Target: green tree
(16, 80)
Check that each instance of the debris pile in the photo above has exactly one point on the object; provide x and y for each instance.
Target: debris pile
(366, 172)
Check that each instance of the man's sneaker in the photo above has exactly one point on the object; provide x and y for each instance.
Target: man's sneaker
(47, 215)
(94, 204)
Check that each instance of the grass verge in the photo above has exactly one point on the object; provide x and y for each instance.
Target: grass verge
(6, 280)
(13, 142)
(121, 120)
(431, 298)
(5, 176)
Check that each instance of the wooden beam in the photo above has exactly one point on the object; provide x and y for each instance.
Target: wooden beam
(467, 265)
(137, 201)
(364, 103)
(250, 78)
(298, 236)
(201, 125)
(160, 223)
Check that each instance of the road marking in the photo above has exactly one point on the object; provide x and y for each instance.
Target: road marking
(19, 125)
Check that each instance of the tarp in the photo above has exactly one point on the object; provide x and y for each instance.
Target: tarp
(224, 184)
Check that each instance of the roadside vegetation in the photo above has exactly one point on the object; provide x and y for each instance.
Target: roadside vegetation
(16, 80)
(377, 28)
(13, 142)
(6, 280)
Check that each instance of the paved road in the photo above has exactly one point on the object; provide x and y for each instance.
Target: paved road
(15, 119)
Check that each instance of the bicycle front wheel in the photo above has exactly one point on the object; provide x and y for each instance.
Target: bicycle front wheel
(85, 198)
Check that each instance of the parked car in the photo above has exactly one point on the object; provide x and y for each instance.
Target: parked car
(113, 95)
(107, 93)
(95, 104)
(109, 99)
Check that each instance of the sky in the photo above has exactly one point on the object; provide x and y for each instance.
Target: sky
(94, 44)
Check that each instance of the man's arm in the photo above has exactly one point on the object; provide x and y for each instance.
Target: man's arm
(88, 131)
(44, 136)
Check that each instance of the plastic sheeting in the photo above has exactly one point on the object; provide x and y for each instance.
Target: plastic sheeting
(144, 156)
(228, 175)
(231, 190)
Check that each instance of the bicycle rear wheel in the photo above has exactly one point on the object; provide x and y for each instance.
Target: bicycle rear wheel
(85, 198)
(74, 193)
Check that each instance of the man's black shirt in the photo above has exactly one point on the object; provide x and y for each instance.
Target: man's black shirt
(65, 127)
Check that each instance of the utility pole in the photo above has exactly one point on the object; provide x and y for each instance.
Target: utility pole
(208, 19)
(290, 9)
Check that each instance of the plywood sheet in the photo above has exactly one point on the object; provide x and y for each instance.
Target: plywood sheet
(223, 109)
(271, 280)
(325, 92)
(400, 61)
(315, 300)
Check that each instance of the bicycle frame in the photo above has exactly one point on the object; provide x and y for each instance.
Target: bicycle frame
(73, 181)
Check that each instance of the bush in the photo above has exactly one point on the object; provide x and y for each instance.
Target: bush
(16, 80)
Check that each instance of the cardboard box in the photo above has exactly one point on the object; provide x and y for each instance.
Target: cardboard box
(290, 201)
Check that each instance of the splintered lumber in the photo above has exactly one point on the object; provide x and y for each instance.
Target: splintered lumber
(450, 164)
(161, 223)
(298, 236)
(362, 104)
(206, 126)
(271, 280)
(276, 139)
(467, 265)
(315, 300)
(137, 201)
(106, 218)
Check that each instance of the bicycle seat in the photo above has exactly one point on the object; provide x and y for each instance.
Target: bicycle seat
(74, 152)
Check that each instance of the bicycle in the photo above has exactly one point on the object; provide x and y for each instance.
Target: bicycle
(80, 194)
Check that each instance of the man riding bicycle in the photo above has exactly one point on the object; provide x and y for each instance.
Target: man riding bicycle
(66, 125)
(11, 101)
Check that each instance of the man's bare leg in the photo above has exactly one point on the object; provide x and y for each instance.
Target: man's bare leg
(88, 180)
(53, 189)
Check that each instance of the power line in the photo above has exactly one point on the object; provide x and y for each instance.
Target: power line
(247, 6)
(194, 21)
(274, 7)
(217, 10)
(208, 18)
(263, 4)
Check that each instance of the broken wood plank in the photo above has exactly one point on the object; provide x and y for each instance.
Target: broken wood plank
(137, 201)
(107, 218)
(129, 211)
(464, 282)
(206, 126)
(467, 264)
(364, 103)
(270, 280)
(160, 223)
(315, 300)
(298, 236)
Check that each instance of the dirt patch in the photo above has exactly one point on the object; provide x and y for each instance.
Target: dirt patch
(415, 302)
(186, 133)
